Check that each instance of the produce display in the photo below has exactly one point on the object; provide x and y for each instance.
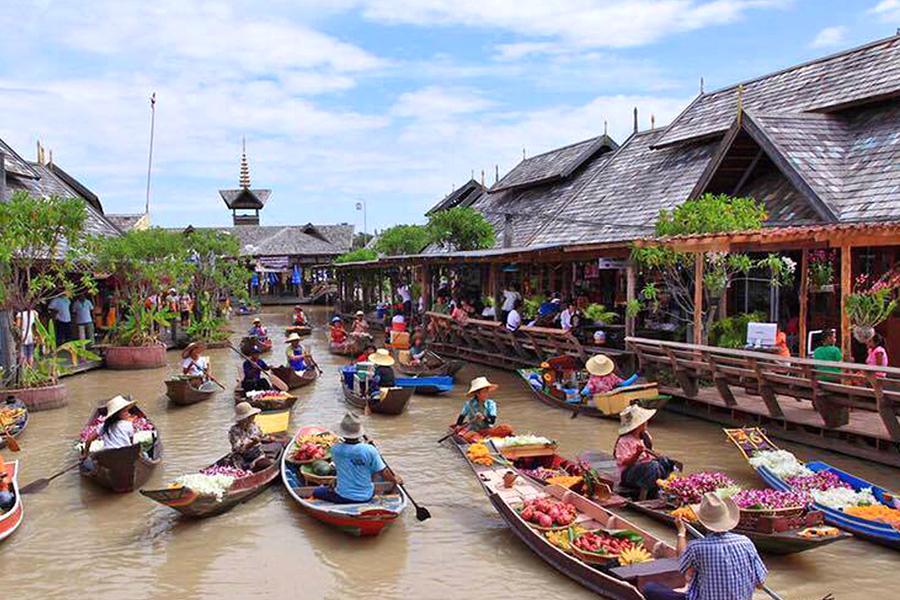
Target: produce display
(267, 395)
(323, 468)
(689, 489)
(543, 473)
(627, 546)
(309, 448)
(876, 512)
(307, 452)
(769, 499)
(522, 440)
(566, 481)
(10, 417)
(206, 485)
(562, 538)
(479, 454)
(547, 513)
(686, 513)
(781, 462)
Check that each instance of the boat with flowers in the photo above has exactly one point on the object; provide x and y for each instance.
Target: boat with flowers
(558, 381)
(362, 519)
(221, 486)
(121, 469)
(12, 518)
(582, 540)
(13, 418)
(848, 502)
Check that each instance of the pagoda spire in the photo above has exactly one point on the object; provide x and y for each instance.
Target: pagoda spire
(245, 167)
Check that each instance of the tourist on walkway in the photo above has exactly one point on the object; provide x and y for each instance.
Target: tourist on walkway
(253, 370)
(246, 438)
(459, 313)
(441, 305)
(877, 355)
(356, 463)
(569, 318)
(639, 467)
(828, 351)
(193, 364)
(510, 295)
(383, 376)
(25, 321)
(82, 312)
(60, 309)
(405, 298)
(721, 566)
(185, 306)
(513, 317)
(295, 354)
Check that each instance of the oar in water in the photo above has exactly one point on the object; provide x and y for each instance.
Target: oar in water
(208, 374)
(422, 513)
(314, 364)
(38, 485)
(276, 381)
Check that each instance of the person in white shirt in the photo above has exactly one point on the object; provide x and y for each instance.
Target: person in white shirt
(25, 321)
(82, 311)
(193, 364)
(60, 307)
(405, 298)
(567, 317)
(514, 319)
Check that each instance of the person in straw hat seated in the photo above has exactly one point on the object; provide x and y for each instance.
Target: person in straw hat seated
(383, 377)
(295, 354)
(117, 430)
(193, 364)
(602, 376)
(246, 439)
(478, 416)
(723, 565)
(253, 368)
(639, 466)
(360, 325)
(299, 318)
(257, 330)
(356, 464)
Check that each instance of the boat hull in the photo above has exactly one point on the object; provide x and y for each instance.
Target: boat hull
(121, 470)
(301, 330)
(394, 402)
(181, 392)
(11, 519)
(294, 381)
(247, 344)
(432, 385)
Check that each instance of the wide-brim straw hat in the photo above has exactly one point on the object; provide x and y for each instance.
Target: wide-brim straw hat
(633, 417)
(350, 427)
(257, 320)
(191, 347)
(359, 313)
(717, 514)
(243, 410)
(382, 357)
(480, 383)
(600, 364)
(117, 404)
(293, 338)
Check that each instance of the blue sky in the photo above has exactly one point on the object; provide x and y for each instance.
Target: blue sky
(391, 101)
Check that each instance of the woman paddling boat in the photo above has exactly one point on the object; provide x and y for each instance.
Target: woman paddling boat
(478, 416)
(193, 364)
(246, 438)
(295, 354)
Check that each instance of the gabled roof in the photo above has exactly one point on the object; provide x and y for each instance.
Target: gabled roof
(15, 164)
(245, 198)
(77, 186)
(865, 74)
(292, 240)
(553, 165)
(465, 195)
(126, 222)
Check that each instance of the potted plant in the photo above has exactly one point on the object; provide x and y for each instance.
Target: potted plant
(597, 314)
(42, 254)
(821, 271)
(869, 306)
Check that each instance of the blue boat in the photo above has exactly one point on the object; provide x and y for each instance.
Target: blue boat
(436, 384)
(752, 440)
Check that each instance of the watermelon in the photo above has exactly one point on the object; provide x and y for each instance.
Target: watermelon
(322, 468)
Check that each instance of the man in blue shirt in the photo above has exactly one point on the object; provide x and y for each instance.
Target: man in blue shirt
(356, 463)
(721, 566)
(60, 308)
(253, 370)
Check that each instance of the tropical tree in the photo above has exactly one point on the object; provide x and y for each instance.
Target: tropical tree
(42, 253)
(358, 255)
(402, 239)
(460, 228)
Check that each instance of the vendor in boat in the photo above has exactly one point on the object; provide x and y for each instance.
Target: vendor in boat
(299, 318)
(254, 367)
(246, 438)
(295, 354)
(383, 376)
(257, 330)
(364, 357)
(478, 416)
(194, 365)
(603, 379)
(360, 325)
(722, 564)
(117, 430)
(639, 466)
(338, 333)
(356, 464)
(419, 349)
(7, 498)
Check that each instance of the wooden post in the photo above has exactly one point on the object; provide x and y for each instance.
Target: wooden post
(804, 301)
(845, 291)
(698, 298)
(494, 288)
(425, 285)
(630, 283)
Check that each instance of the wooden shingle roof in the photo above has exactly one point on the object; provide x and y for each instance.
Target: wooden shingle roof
(292, 240)
(465, 195)
(15, 164)
(245, 198)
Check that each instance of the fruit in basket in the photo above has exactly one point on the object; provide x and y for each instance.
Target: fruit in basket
(322, 468)
(599, 543)
(308, 451)
(634, 555)
(546, 512)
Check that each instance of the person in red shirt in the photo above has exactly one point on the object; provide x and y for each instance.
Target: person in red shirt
(370, 349)
(338, 333)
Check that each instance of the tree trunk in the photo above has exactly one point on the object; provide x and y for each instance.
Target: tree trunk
(7, 344)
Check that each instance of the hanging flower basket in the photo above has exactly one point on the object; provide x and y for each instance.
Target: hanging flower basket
(863, 333)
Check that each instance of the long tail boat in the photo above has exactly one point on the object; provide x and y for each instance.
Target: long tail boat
(194, 504)
(363, 519)
(11, 519)
(122, 469)
(14, 417)
(294, 381)
(393, 402)
(432, 385)
(752, 440)
(184, 391)
(608, 580)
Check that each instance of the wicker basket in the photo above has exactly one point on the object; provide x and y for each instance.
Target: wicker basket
(313, 479)
(778, 521)
(598, 560)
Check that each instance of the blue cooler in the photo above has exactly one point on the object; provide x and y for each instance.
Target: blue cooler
(348, 373)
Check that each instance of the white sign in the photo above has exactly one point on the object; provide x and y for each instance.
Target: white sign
(761, 334)
(610, 263)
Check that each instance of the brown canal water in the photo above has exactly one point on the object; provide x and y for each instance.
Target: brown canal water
(78, 538)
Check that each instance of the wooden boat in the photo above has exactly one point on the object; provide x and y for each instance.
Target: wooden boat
(345, 348)
(433, 366)
(11, 519)
(751, 440)
(14, 417)
(393, 403)
(301, 330)
(283, 401)
(435, 384)
(184, 391)
(294, 381)
(191, 504)
(615, 582)
(121, 469)
(363, 519)
(264, 345)
(603, 406)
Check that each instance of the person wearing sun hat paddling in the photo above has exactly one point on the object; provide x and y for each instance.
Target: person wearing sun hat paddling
(478, 416)
(639, 467)
(253, 368)
(257, 330)
(356, 463)
(299, 318)
(338, 333)
(193, 364)
(383, 376)
(295, 354)
(720, 566)
(246, 438)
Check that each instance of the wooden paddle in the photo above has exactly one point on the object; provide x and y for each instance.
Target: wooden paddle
(11, 442)
(452, 433)
(422, 513)
(276, 381)
(38, 485)
(312, 362)
(208, 374)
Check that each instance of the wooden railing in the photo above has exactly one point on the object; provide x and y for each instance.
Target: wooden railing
(834, 388)
(490, 342)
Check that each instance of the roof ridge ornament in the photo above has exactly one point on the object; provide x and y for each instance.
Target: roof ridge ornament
(245, 167)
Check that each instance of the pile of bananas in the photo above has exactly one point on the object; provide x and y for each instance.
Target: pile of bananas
(634, 555)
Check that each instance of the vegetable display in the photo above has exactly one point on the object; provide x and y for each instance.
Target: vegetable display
(562, 538)
(307, 452)
(547, 513)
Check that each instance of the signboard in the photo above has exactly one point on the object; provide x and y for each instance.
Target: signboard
(761, 334)
(610, 263)
(273, 262)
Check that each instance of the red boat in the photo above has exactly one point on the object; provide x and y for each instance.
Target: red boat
(11, 519)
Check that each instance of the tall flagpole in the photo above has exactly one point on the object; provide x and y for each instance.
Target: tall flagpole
(150, 157)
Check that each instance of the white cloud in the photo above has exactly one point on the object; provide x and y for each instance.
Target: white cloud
(888, 11)
(436, 103)
(830, 36)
